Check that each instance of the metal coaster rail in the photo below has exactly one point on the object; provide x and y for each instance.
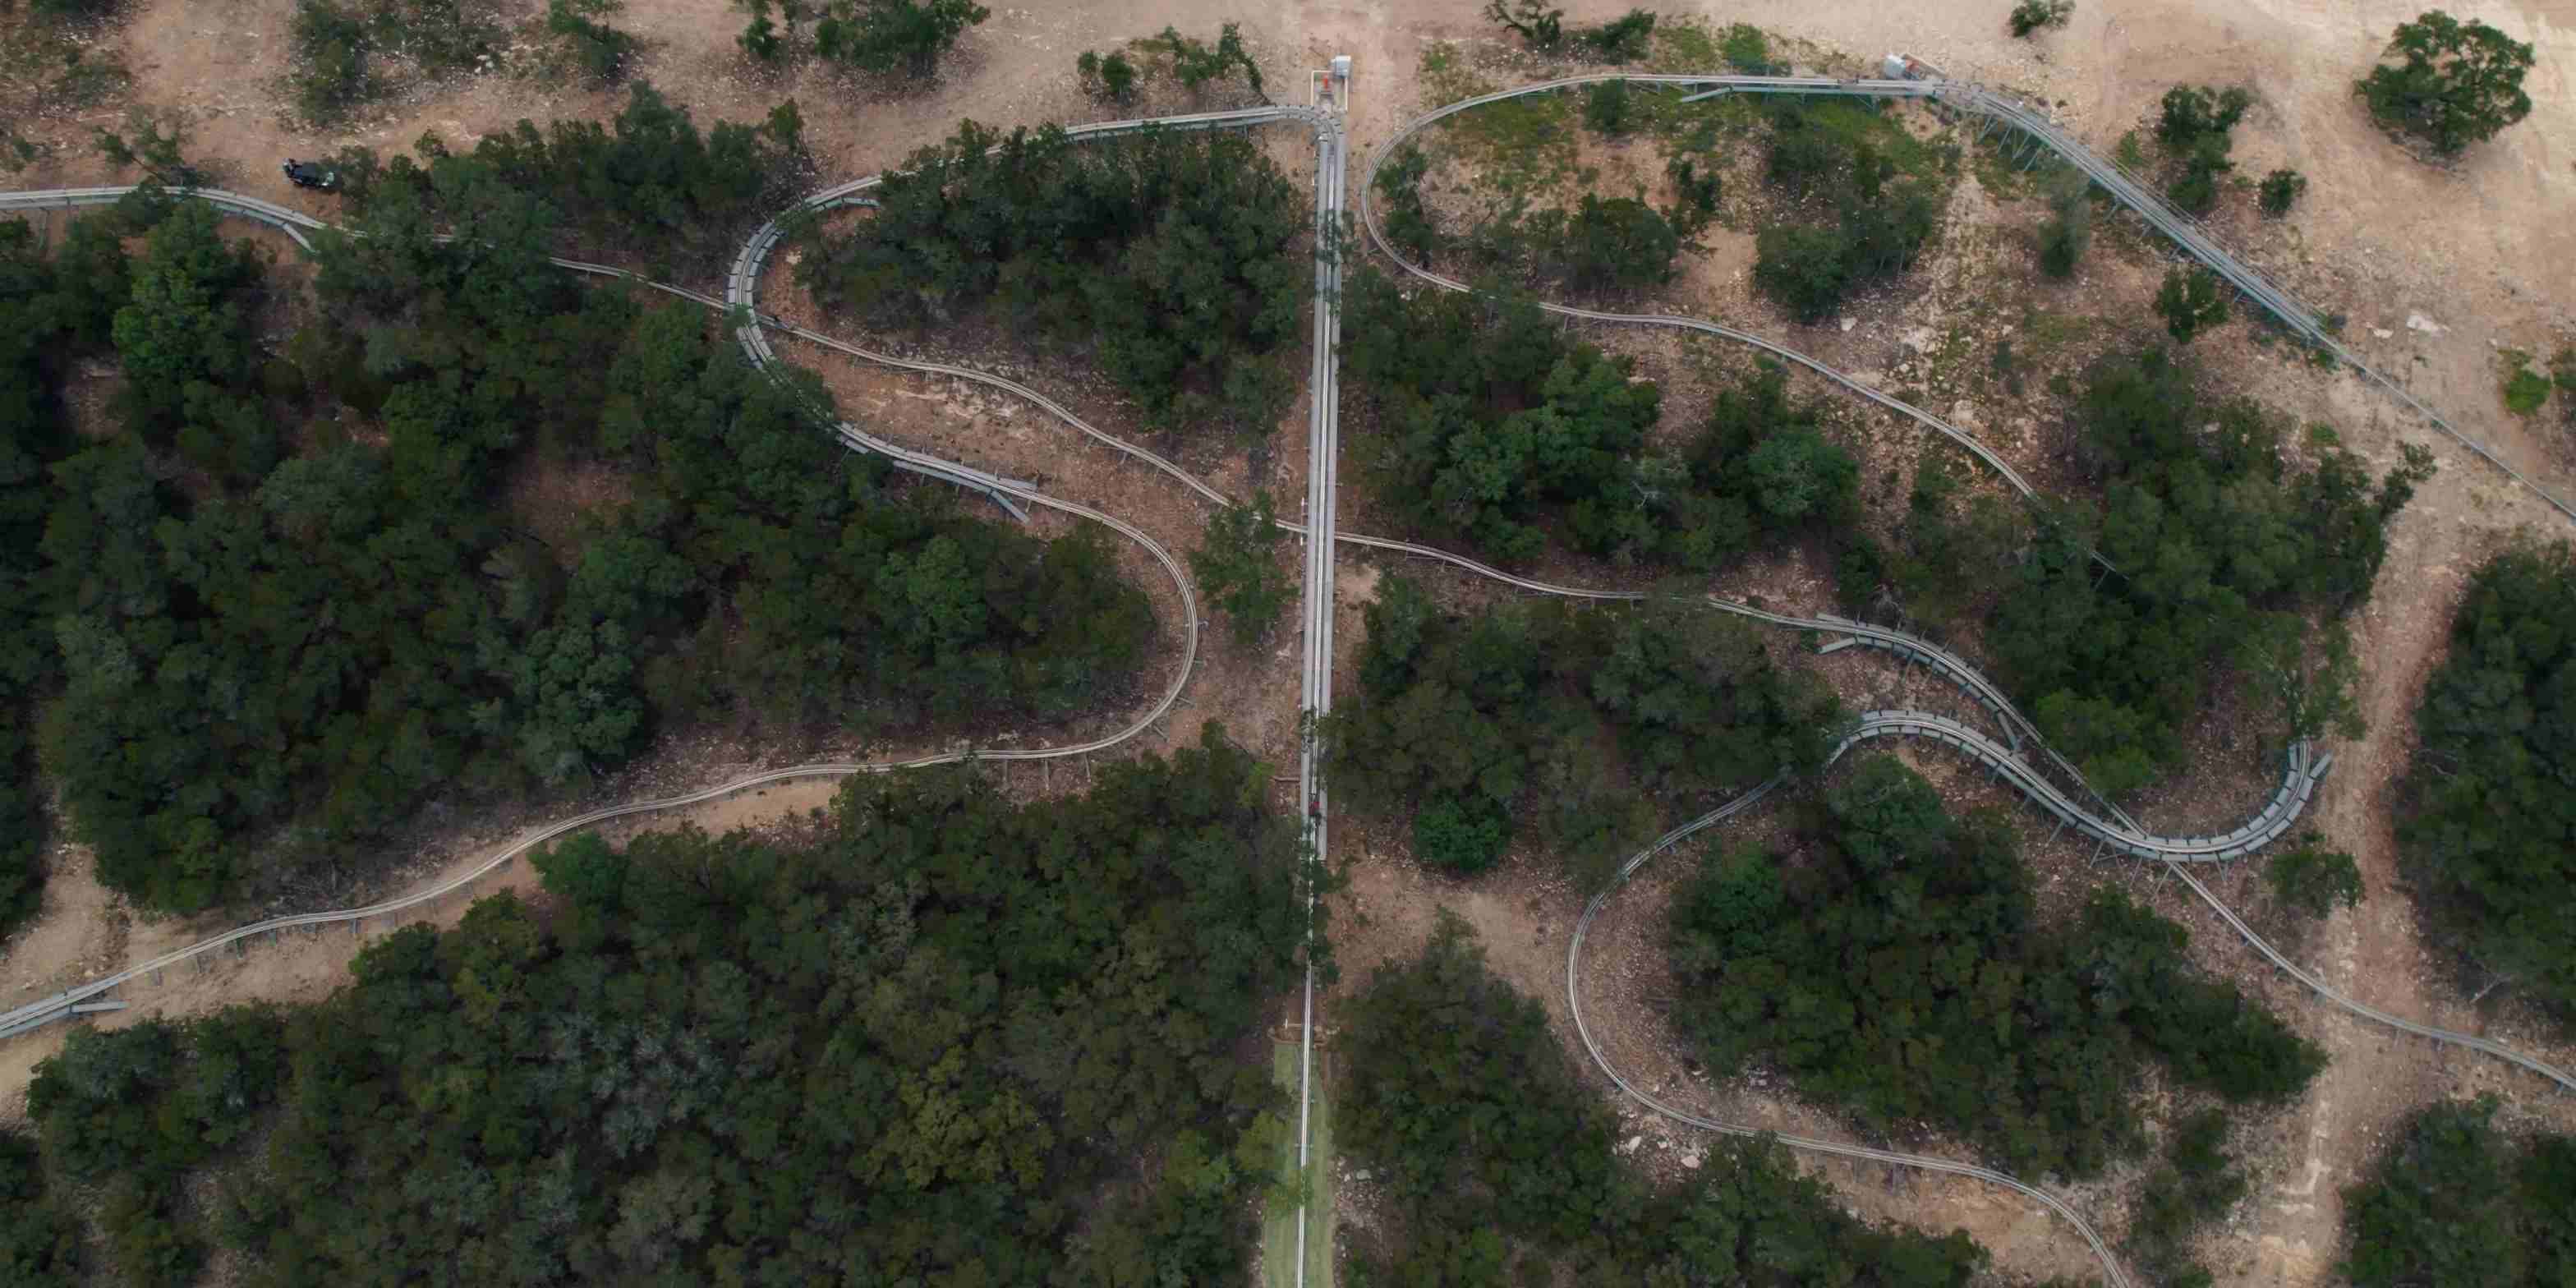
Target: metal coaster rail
(2008, 763)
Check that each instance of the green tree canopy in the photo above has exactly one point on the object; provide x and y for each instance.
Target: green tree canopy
(1171, 259)
(1484, 725)
(1499, 1163)
(2455, 83)
(1891, 964)
(2451, 1203)
(2485, 835)
(2224, 551)
(929, 1038)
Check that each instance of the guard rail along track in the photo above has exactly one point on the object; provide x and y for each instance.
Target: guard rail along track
(2126, 837)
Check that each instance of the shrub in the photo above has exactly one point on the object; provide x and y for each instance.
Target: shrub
(1197, 65)
(2026, 1042)
(2458, 83)
(1495, 724)
(760, 38)
(40, 1243)
(1407, 220)
(1625, 38)
(1111, 78)
(1460, 834)
(2069, 229)
(2031, 15)
(1541, 26)
(1500, 1165)
(2195, 189)
(2313, 880)
(2191, 301)
(631, 1096)
(1881, 221)
(338, 46)
(601, 51)
(1806, 268)
(2524, 389)
(2281, 190)
(2253, 547)
(2196, 1183)
(1605, 108)
(1695, 195)
(2195, 113)
(891, 35)
(1746, 49)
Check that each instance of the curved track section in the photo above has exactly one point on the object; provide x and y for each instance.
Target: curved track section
(2111, 1271)
(23, 1018)
(2126, 836)
(2002, 109)
(2006, 763)
(742, 284)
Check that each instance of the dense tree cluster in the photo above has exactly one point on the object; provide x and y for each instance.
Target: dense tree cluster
(2452, 1203)
(2489, 820)
(126, 1114)
(54, 310)
(286, 605)
(647, 183)
(39, 1240)
(2219, 548)
(1956, 546)
(1493, 418)
(1498, 427)
(1500, 1165)
(1843, 156)
(1173, 257)
(846, 607)
(2455, 83)
(1891, 963)
(927, 1043)
(1497, 723)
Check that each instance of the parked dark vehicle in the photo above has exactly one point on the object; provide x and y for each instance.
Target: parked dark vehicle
(311, 174)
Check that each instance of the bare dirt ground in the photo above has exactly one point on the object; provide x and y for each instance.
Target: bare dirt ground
(2466, 252)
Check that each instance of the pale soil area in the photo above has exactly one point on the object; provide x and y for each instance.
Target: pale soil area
(2470, 248)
